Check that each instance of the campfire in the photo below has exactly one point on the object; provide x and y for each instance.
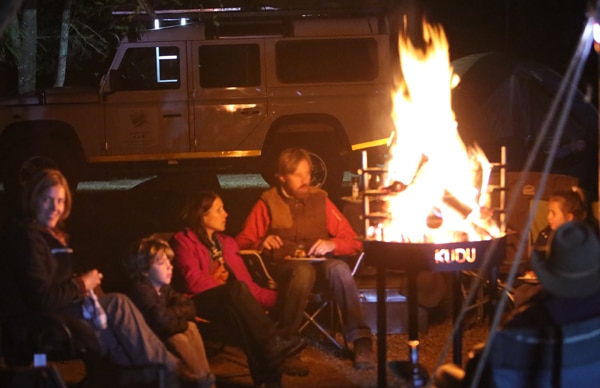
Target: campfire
(435, 186)
(429, 208)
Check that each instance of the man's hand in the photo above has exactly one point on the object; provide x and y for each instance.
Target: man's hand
(321, 248)
(271, 242)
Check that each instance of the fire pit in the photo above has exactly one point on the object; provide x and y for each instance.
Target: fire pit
(417, 257)
(431, 207)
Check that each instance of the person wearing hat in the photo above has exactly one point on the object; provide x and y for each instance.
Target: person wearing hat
(568, 270)
(563, 206)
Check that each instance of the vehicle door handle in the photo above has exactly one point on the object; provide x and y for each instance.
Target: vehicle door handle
(169, 115)
(249, 111)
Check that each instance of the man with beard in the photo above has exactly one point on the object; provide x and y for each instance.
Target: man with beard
(296, 220)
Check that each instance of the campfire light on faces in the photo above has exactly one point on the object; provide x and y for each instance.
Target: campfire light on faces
(437, 186)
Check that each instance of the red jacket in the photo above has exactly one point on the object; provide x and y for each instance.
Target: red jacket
(340, 231)
(192, 266)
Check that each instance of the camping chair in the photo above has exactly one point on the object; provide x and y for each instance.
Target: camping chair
(41, 339)
(550, 356)
(485, 297)
(28, 338)
(33, 340)
(318, 301)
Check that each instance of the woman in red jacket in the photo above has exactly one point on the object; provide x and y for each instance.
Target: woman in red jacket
(208, 266)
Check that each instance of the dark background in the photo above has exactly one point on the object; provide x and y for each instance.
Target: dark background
(544, 31)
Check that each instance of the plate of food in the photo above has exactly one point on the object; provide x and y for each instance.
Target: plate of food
(529, 278)
(310, 259)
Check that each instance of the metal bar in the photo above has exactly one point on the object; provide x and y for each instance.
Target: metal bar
(381, 327)
(456, 305)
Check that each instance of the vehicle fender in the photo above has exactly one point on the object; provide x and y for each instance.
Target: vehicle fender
(39, 135)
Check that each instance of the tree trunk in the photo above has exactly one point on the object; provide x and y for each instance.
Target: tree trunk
(8, 12)
(27, 58)
(146, 7)
(63, 50)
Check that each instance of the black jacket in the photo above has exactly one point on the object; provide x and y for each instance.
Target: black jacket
(545, 309)
(39, 268)
(166, 313)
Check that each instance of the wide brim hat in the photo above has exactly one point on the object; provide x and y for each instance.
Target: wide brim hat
(570, 264)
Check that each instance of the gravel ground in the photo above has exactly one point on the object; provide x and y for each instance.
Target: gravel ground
(329, 368)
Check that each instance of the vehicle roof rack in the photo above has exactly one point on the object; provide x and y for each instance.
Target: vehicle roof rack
(236, 13)
(266, 21)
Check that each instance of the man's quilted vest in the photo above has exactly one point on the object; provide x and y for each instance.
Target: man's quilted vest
(299, 222)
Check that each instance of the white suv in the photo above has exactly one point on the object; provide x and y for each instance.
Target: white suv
(229, 93)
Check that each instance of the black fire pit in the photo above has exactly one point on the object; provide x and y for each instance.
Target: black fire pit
(413, 258)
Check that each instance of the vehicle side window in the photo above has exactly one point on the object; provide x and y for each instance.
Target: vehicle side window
(223, 66)
(327, 60)
(150, 68)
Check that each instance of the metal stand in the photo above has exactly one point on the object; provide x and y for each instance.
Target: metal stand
(411, 370)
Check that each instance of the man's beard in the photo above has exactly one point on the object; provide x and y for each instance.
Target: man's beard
(300, 193)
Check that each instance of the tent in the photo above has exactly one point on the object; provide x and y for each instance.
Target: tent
(503, 100)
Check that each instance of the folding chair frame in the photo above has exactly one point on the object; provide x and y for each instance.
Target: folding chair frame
(254, 259)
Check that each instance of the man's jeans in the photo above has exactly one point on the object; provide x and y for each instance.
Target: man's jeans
(296, 281)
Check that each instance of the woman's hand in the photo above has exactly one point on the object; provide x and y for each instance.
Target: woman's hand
(91, 279)
(220, 274)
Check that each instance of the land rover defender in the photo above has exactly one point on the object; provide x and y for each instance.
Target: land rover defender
(229, 93)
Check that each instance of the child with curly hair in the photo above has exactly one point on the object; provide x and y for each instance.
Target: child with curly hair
(169, 314)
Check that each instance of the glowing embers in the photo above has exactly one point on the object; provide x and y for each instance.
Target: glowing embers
(436, 186)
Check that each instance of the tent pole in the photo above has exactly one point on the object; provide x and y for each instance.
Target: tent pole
(597, 49)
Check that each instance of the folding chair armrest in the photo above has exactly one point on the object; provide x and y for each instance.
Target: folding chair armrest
(361, 256)
(255, 262)
(349, 258)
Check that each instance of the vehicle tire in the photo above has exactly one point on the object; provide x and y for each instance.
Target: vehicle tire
(24, 160)
(328, 171)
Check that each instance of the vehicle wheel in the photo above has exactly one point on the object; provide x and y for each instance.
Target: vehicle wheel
(24, 161)
(327, 172)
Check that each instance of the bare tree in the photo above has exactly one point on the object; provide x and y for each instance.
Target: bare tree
(27, 55)
(22, 33)
(8, 10)
(63, 49)
(147, 7)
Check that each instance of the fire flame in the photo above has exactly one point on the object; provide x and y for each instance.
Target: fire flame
(443, 184)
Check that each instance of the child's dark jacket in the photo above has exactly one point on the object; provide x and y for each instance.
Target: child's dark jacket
(167, 312)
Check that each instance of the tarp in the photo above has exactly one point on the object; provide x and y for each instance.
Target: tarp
(503, 100)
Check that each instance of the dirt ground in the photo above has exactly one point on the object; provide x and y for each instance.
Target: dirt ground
(329, 368)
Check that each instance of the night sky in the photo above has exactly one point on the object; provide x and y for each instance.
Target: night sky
(546, 31)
